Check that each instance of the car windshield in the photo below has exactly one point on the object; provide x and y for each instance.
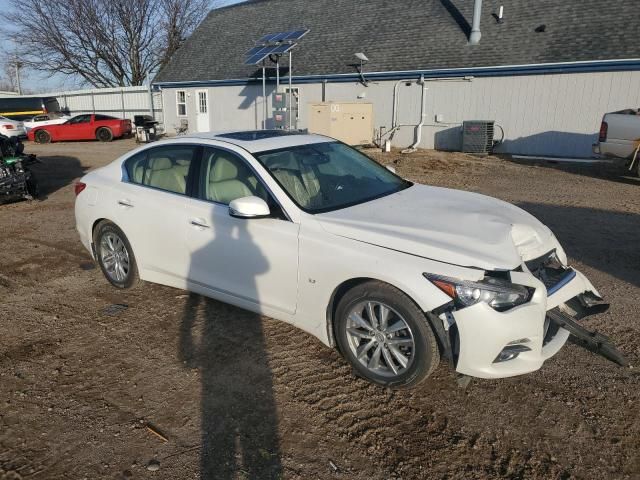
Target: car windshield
(321, 177)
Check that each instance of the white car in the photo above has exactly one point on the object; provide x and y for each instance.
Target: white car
(310, 231)
(45, 119)
(12, 128)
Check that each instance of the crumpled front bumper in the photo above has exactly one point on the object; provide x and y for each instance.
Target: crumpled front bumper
(483, 333)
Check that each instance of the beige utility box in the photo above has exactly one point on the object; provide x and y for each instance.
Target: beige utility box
(349, 122)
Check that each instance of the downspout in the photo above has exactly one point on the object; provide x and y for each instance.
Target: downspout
(475, 35)
(423, 115)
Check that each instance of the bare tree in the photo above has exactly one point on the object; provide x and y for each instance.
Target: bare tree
(109, 43)
(7, 77)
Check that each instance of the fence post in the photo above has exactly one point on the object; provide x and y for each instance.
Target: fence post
(122, 100)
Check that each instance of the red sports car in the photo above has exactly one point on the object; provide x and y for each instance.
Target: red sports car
(82, 127)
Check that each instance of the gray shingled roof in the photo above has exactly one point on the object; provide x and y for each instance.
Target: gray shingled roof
(400, 35)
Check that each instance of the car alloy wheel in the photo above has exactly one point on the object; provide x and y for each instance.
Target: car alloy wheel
(380, 338)
(115, 257)
(42, 136)
(104, 134)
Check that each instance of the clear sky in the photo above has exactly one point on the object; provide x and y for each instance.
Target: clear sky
(41, 82)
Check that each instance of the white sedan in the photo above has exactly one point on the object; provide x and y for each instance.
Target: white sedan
(12, 128)
(45, 119)
(310, 231)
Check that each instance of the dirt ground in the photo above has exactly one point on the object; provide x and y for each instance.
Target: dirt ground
(84, 385)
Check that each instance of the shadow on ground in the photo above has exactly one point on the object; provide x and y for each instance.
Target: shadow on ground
(603, 239)
(239, 420)
(57, 172)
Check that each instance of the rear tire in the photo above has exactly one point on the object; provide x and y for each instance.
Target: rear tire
(115, 255)
(104, 134)
(42, 136)
(397, 348)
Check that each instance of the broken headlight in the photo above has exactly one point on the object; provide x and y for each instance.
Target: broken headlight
(499, 294)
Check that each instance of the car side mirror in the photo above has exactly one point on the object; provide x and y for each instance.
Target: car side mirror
(249, 207)
(391, 169)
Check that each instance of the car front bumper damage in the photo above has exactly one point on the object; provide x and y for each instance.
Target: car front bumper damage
(481, 342)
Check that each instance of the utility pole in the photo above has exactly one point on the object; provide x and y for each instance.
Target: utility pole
(18, 66)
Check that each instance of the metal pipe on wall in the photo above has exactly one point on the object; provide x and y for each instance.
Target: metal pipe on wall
(423, 115)
(290, 96)
(475, 35)
(264, 96)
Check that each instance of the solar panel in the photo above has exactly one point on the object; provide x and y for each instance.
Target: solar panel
(296, 34)
(255, 59)
(263, 52)
(267, 38)
(283, 48)
(273, 43)
(254, 50)
(283, 36)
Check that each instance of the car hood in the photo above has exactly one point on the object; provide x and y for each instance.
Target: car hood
(451, 226)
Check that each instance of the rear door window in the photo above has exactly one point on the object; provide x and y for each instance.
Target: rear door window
(165, 168)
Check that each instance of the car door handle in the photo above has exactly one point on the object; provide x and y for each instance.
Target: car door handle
(198, 222)
(125, 203)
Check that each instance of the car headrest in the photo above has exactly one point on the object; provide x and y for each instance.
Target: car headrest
(160, 163)
(224, 169)
(284, 160)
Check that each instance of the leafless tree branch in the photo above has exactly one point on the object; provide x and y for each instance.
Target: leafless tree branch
(108, 43)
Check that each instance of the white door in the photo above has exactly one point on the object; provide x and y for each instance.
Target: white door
(202, 110)
(151, 209)
(253, 260)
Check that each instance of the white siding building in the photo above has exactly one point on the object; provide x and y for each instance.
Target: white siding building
(545, 75)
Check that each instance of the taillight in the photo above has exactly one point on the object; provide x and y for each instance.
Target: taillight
(8, 126)
(603, 132)
(79, 187)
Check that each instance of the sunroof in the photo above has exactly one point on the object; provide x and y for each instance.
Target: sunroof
(251, 135)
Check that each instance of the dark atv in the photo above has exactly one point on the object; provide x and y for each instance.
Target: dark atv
(17, 181)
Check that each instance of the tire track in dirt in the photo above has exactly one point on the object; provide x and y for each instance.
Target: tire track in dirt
(322, 384)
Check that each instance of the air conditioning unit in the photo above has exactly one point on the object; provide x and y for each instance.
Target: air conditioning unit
(477, 136)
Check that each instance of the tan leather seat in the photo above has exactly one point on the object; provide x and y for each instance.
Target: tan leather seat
(225, 183)
(138, 173)
(163, 174)
(182, 166)
(301, 183)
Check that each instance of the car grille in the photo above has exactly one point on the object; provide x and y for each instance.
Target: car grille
(549, 271)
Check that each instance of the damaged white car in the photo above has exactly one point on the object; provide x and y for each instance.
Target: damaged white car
(311, 231)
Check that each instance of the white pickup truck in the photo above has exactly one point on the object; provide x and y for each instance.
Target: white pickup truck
(620, 137)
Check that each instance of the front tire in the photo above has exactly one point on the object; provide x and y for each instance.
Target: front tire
(42, 136)
(104, 134)
(385, 336)
(115, 256)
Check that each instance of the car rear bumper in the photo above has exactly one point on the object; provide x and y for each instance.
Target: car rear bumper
(19, 133)
(621, 149)
(486, 337)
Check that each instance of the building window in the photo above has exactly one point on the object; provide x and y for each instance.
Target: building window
(181, 102)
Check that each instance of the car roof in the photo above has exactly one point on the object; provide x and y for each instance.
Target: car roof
(256, 141)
